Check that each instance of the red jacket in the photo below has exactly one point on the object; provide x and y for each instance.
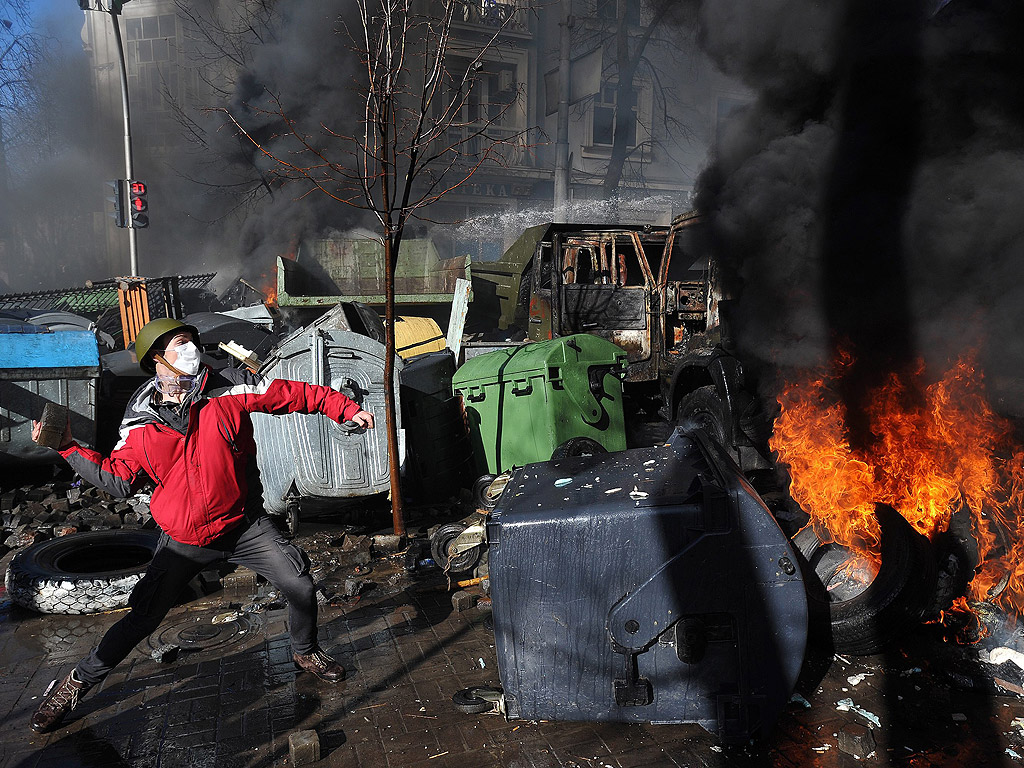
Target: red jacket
(203, 477)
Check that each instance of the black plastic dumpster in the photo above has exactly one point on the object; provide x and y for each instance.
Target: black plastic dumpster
(650, 585)
(440, 460)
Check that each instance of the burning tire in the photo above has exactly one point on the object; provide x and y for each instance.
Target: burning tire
(81, 573)
(866, 608)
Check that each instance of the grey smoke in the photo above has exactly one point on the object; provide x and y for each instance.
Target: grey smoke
(872, 191)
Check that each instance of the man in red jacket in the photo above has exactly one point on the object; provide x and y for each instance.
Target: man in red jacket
(188, 428)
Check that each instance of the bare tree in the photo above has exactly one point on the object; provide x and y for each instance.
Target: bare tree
(19, 51)
(640, 47)
(421, 133)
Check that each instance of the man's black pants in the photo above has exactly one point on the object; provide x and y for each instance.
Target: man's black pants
(258, 546)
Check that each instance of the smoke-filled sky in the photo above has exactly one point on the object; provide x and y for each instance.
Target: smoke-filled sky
(872, 194)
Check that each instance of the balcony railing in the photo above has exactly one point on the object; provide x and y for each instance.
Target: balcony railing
(490, 13)
(512, 153)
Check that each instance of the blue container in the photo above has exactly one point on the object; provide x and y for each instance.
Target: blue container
(39, 366)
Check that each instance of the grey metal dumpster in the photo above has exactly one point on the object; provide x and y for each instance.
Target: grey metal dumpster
(310, 457)
(39, 366)
(650, 585)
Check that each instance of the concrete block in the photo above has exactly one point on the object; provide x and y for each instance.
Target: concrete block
(304, 747)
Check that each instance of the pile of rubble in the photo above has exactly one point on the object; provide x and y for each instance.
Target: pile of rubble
(34, 513)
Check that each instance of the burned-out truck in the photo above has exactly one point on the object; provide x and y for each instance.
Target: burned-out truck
(653, 291)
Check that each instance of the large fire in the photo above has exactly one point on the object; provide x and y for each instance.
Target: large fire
(936, 448)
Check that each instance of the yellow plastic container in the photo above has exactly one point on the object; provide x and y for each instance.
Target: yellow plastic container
(417, 336)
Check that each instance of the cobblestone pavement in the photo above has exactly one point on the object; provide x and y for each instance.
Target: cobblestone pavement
(233, 697)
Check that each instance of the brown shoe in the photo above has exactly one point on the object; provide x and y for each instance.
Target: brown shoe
(59, 699)
(321, 665)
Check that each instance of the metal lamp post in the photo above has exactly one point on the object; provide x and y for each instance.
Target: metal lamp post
(113, 7)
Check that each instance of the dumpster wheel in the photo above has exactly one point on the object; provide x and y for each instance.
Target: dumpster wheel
(577, 446)
(477, 700)
(440, 542)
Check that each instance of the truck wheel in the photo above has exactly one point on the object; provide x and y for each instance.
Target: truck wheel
(577, 446)
(80, 573)
(704, 409)
(864, 608)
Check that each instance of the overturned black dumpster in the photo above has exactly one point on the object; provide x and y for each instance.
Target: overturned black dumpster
(650, 585)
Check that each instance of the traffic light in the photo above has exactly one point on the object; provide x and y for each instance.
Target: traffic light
(107, 6)
(138, 206)
(118, 199)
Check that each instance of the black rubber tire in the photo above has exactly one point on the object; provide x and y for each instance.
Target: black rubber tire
(442, 539)
(895, 600)
(703, 409)
(480, 492)
(577, 446)
(468, 701)
(80, 573)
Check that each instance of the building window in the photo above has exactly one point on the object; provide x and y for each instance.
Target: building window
(604, 118)
(152, 52)
(613, 10)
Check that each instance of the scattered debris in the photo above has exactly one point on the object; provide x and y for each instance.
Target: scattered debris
(847, 705)
(226, 618)
(854, 680)
(796, 698)
(1002, 654)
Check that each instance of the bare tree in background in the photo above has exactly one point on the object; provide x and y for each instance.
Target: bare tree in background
(639, 46)
(20, 49)
(422, 132)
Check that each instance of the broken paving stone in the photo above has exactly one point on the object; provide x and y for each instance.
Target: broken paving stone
(857, 740)
(352, 588)
(463, 601)
(61, 506)
(388, 543)
(304, 747)
(165, 654)
(23, 538)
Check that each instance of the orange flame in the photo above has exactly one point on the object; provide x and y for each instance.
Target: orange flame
(936, 448)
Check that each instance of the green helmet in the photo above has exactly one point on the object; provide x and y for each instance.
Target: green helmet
(151, 333)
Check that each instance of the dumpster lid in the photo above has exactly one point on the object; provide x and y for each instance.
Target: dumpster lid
(537, 358)
(57, 349)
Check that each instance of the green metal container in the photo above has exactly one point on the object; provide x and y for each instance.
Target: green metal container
(524, 402)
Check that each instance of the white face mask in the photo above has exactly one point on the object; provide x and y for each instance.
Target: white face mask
(188, 358)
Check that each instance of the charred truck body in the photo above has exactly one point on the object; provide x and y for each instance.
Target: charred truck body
(654, 292)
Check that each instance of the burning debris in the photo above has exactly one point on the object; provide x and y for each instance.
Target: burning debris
(936, 449)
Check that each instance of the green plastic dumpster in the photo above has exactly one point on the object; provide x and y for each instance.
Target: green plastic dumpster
(523, 403)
